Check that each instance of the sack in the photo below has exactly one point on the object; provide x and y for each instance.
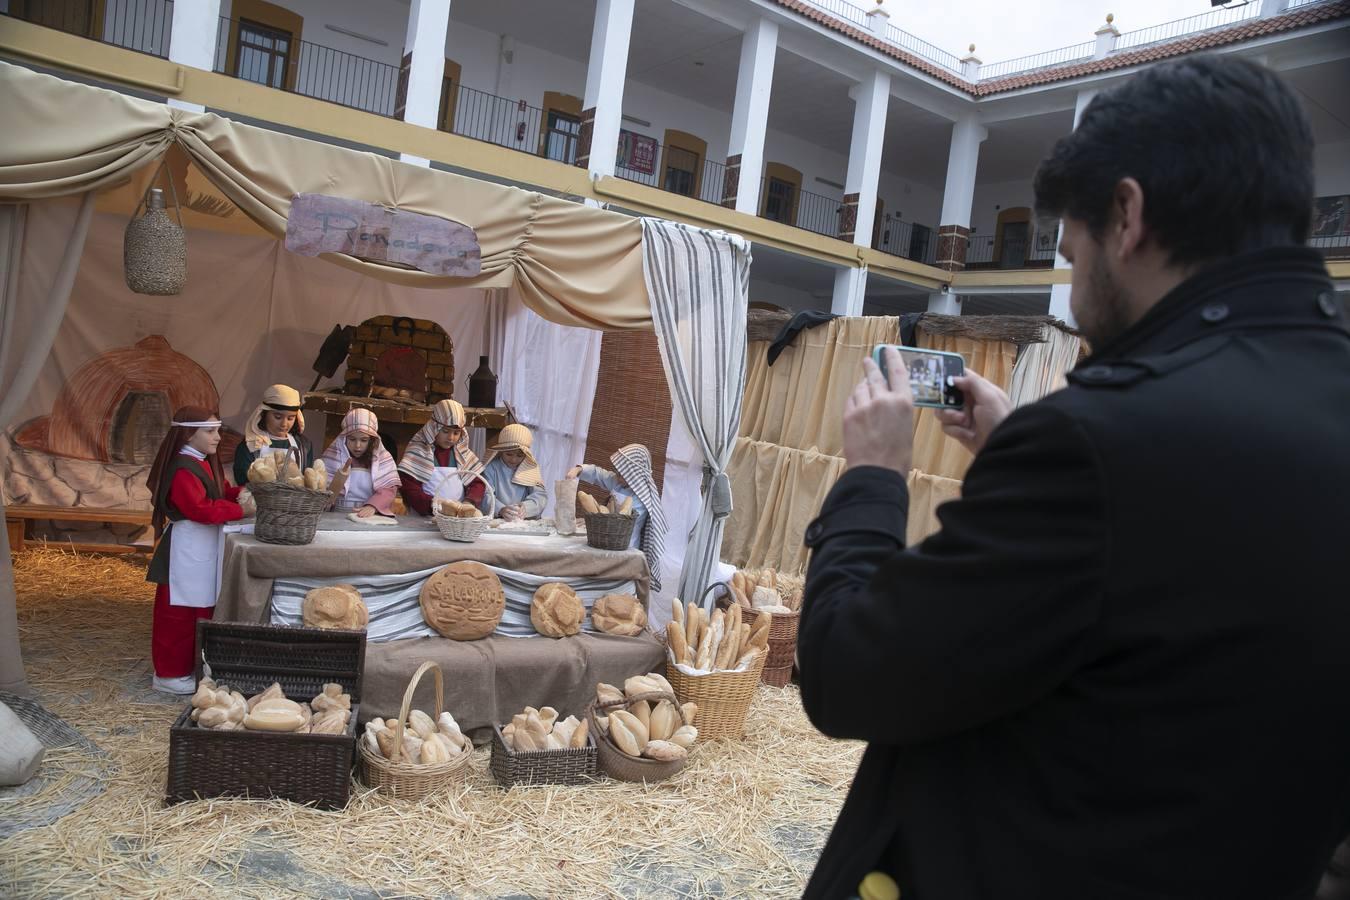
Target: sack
(565, 505)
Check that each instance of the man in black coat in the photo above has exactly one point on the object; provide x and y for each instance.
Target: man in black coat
(1121, 670)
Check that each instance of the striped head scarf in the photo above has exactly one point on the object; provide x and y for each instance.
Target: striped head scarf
(383, 472)
(419, 459)
(634, 465)
(518, 437)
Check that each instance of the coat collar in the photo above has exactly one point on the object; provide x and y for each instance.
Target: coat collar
(1282, 287)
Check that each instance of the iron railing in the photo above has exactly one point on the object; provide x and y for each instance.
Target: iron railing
(843, 9)
(313, 70)
(1218, 17)
(1033, 251)
(1295, 4)
(801, 209)
(1335, 246)
(1058, 57)
(908, 239)
(922, 49)
(141, 25)
(676, 170)
(514, 124)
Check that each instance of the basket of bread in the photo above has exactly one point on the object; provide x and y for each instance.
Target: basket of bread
(537, 747)
(607, 529)
(781, 597)
(642, 733)
(289, 498)
(418, 753)
(461, 521)
(714, 662)
(275, 715)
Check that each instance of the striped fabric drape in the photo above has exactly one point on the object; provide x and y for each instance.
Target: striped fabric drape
(698, 282)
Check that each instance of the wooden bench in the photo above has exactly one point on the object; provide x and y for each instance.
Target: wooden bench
(15, 516)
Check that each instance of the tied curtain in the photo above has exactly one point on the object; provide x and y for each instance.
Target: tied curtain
(48, 272)
(699, 284)
(790, 450)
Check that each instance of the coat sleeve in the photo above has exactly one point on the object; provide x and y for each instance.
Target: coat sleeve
(188, 496)
(243, 458)
(981, 619)
(534, 503)
(413, 495)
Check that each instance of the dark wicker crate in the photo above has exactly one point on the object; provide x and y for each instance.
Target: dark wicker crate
(569, 766)
(305, 768)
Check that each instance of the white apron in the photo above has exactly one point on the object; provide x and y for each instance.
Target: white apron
(444, 484)
(195, 554)
(359, 489)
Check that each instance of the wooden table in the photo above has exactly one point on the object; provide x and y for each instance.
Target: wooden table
(399, 420)
(15, 516)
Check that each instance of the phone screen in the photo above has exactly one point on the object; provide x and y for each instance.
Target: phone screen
(931, 374)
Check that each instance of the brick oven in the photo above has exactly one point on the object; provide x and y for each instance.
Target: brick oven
(397, 357)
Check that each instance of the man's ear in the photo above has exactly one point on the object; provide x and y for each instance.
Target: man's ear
(1127, 218)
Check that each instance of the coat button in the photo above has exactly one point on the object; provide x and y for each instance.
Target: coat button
(1327, 304)
(1098, 373)
(1214, 312)
(813, 533)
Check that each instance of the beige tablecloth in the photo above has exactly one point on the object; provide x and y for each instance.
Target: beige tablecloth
(486, 681)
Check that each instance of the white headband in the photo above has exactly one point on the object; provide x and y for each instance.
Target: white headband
(211, 424)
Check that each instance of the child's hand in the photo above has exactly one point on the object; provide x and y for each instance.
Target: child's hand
(366, 511)
(574, 472)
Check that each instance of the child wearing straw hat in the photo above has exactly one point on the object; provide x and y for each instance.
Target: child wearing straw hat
(372, 478)
(634, 481)
(276, 426)
(514, 475)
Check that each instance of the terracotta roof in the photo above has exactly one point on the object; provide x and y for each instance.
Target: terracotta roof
(1303, 17)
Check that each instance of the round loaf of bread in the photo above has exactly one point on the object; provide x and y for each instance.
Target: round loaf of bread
(556, 611)
(463, 601)
(335, 606)
(619, 614)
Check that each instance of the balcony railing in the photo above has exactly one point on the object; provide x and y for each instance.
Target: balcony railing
(1013, 251)
(1215, 18)
(1062, 56)
(140, 25)
(908, 239)
(672, 169)
(1336, 246)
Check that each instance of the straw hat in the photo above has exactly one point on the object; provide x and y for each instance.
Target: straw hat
(514, 437)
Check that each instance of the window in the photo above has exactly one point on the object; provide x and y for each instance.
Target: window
(264, 54)
(561, 143)
(681, 171)
(778, 200)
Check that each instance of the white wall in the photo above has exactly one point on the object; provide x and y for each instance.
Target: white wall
(790, 298)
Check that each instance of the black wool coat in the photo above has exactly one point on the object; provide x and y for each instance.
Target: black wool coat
(1121, 670)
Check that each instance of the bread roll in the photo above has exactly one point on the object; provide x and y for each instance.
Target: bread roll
(578, 739)
(602, 722)
(433, 751)
(621, 736)
(331, 722)
(335, 606)
(447, 726)
(642, 711)
(685, 736)
(663, 721)
(274, 714)
(608, 693)
(640, 684)
(273, 691)
(619, 614)
(631, 722)
(422, 724)
(524, 742)
(548, 716)
(463, 601)
(261, 471)
(563, 730)
(388, 749)
(412, 747)
(587, 503)
(660, 683)
(556, 611)
(688, 712)
(626, 507)
(213, 717)
(664, 751)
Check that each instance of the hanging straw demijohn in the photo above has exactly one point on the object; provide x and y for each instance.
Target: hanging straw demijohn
(154, 250)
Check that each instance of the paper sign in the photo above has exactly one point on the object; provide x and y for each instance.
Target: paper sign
(319, 223)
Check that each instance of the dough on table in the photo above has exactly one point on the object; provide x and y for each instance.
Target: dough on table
(376, 519)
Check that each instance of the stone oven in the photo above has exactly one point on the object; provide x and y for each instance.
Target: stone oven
(398, 357)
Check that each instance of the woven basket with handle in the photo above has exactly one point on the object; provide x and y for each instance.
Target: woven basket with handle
(287, 514)
(453, 528)
(403, 780)
(619, 765)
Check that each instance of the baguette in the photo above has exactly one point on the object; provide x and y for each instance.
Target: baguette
(719, 626)
(679, 649)
(587, 503)
(742, 640)
(626, 508)
(677, 612)
(734, 620)
(691, 628)
(703, 660)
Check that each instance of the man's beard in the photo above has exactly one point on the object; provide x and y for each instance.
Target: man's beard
(1105, 314)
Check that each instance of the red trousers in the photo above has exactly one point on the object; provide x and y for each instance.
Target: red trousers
(173, 635)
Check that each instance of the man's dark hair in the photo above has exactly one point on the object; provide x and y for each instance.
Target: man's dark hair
(1220, 146)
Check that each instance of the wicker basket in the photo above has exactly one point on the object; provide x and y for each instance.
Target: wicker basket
(609, 531)
(723, 698)
(465, 530)
(570, 766)
(777, 677)
(305, 768)
(404, 780)
(782, 641)
(619, 765)
(287, 514)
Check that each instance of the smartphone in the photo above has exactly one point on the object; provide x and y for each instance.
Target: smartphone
(932, 375)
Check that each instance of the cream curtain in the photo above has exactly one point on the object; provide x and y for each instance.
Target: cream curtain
(52, 269)
(799, 400)
(934, 452)
(1041, 368)
(699, 284)
(571, 264)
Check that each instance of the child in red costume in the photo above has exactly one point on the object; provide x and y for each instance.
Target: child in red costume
(191, 502)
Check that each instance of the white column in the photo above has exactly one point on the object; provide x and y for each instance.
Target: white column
(1059, 293)
(192, 40)
(850, 289)
(878, 17)
(604, 82)
(1106, 36)
(970, 66)
(428, 21)
(870, 102)
(750, 116)
(963, 160)
(944, 303)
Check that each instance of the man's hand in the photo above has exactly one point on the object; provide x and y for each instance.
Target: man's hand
(879, 418)
(985, 409)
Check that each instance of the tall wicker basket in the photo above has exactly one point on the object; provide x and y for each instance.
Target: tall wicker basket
(413, 781)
